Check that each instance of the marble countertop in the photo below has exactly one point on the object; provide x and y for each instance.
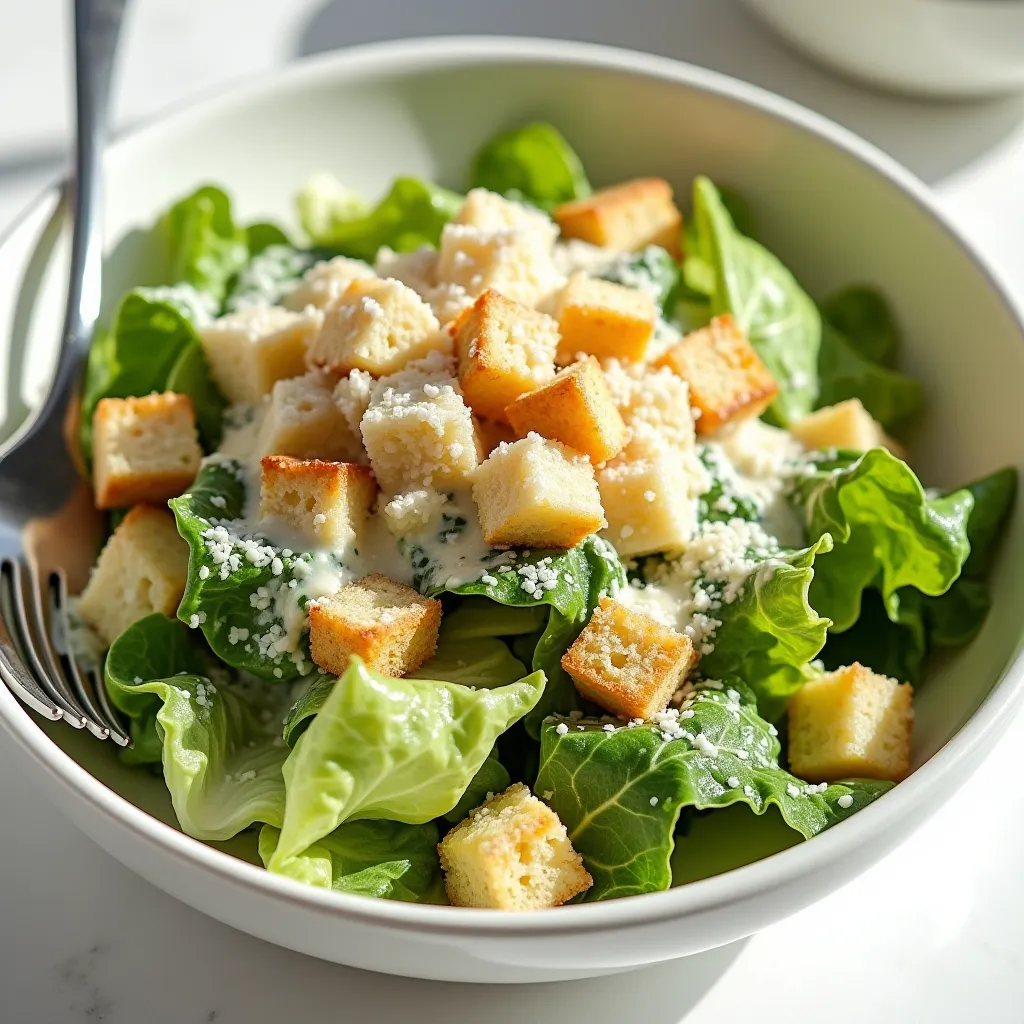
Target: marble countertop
(933, 933)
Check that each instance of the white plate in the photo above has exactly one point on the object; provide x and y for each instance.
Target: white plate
(832, 206)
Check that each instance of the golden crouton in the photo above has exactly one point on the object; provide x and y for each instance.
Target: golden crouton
(144, 449)
(628, 663)
(504, 349)
(652, 400)
(626, 217)
(851, 723)
(647, 496)
(490, 434)
(377, 325)
(512, 853)
(324, 503)
(603, 319)
(537, 493)
(303, 420)
(417, 429)
(389, 625)
(727, 378)
(249, 350)
(844, 425)
(576, 408)
(352, 397)
(142, 569)
(325, 282)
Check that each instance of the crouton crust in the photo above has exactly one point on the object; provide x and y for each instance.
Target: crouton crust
(603, 319)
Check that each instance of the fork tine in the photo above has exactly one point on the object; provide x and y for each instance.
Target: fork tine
(28, 620)
(12, 665)
(92, 695)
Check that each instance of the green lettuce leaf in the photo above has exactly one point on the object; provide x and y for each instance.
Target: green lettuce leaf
(745, 279)
(261, 235)
(221, 749)
(863, 317)
(888, 533)
(482, 662)
(491, 778)
(385, 859)
(207, 248)
(411, 215)
(581, 577)
(771, 632)
(652, 270)
(477, 617)
(268, 276)
(533, 164)
(619, 793)
(401, 749)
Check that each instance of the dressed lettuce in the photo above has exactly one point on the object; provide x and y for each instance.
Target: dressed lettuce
(533, 164)
(268, 276)
(619, 793)
(652, 270)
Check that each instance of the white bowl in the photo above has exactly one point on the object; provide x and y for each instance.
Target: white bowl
(835, 209)
(941, 48)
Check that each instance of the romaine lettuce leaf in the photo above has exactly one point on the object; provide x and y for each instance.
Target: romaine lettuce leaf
(385, 859)
(579, 578)
(221, 748)
(268, 276)
(482, 662)
(401, 749)
(619, 793)
(745, 279)
(888, 533)
(771, 632)
(652, 270)
(476, 617)
(863, 317)
(411, 215)
(533, 164)
(491, 778)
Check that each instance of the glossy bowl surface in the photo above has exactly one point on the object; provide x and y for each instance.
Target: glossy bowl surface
(832, 206)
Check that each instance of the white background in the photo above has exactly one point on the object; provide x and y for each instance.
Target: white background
(935, 933)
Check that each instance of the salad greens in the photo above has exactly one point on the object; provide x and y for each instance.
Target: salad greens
(353, 779)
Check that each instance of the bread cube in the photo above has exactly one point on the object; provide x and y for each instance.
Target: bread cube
(377, 325)
(537, 493)
(488, 211)
(576, 408)
(648, 498)
(418, 431)
(352, 397)
(414, 510)
(389, 625)
(490, 434)
(249, 350)
(142, 569)
(626, 217)
(324, 504)
(304, 421)
(512, 853)
(144, 449)
(653, 402)
(325, 282)
(728, 381)
(851, 723)
(517, 261)
(603, 319)
(844, 425)
(628, 663)
(504, 349)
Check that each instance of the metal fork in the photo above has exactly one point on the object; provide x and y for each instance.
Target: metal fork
(49, 530)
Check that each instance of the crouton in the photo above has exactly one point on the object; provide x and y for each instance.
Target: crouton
(303, 420)
(323, 503)
(144, 449)
(516, 260)
(325, 282)
(512, 853)
(648, 494)
(488, 211)
(652, 400)
(418, 431)
(851, 723)
(537, 493)
(576, 408)
(406, 513)
(490, 434)
(142, 569)
(728, 380)
(844, 425)
(387, 624)
(626, 217)
(249, 350)
(626, 662)
(352, 397)
(377, 325)
(504, 349)
(603, 319)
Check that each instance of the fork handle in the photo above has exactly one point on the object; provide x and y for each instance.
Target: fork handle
(97, 27)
